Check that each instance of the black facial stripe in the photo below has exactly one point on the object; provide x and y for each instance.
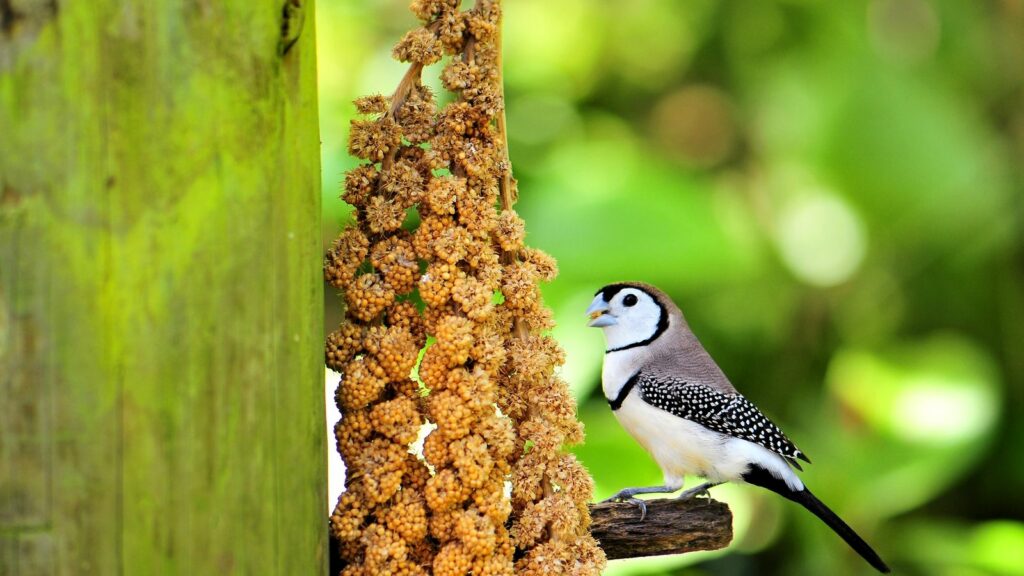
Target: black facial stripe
(626, 388)
(609, 291)
(662, 326)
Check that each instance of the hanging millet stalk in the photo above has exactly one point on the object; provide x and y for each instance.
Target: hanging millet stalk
(487, 379)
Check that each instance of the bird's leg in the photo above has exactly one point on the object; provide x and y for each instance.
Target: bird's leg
(626, 495)
(701, 490)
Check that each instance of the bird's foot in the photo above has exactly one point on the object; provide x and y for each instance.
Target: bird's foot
(697, 491)
(694, 494)
(627, 496)
(642, 505)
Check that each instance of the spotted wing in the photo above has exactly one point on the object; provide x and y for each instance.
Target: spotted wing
(730, 414)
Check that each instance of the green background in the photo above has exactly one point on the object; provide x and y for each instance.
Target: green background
(829, 190)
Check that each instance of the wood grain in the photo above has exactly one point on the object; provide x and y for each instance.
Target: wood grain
(670, 527)
(161, 364)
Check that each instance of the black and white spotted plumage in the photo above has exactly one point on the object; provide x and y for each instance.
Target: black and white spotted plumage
(730, 414)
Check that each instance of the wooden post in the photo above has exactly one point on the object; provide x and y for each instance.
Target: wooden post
(161, 368)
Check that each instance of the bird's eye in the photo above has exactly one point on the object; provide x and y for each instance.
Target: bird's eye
(629, 300)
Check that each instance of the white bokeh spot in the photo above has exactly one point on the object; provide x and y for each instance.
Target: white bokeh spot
(821, 239)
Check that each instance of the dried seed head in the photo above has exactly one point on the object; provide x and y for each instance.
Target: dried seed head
(342, 345)
(453, 245)
(473, 297)
(368, 296)
(482, 305)
(397, 353)
(396, 260)
(432, 316)
(397, 419)
(488, 350)
(442, 524)
(436, 284)
(381, 547)
(435, 449)
(455, 339)
(452, 24)
(453, 417)
(483, 22)
(472, 460)
(352, 431)
(379, 468)
(360, 183)
(510, 231)
(453, 560)
(373, 104)
(403, 182)
(420, 46)
(476, 532)
(361, 383)
(497, 431)
(441, 194)
(407, 516)
(373, 139)
(416, 117)
(430, 229)
(427, 10)
(416, 474)
(543, 263)
(444, 491)
(491, 501)
(527, 478)
(348, 516)
(496, 565)
(572, 478)
(345, 256)
(405, 315)
(384, 215)
(550, 557)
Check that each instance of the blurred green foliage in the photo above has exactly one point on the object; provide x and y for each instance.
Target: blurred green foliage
(832, 193)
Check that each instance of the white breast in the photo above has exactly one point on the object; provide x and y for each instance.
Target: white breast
(679, 446)
(682, 447)
(617, 369)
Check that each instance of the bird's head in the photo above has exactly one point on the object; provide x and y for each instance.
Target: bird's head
(630, 313)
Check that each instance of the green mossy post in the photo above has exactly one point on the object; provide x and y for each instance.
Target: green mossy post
(161, 369)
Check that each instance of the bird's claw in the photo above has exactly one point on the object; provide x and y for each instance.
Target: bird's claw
(642, 505)
(626, 496)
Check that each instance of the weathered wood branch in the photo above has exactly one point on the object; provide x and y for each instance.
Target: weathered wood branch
(671, 527)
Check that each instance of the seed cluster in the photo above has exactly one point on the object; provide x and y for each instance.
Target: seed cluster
(463, 278)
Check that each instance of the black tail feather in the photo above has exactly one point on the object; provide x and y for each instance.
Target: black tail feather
(760, 477)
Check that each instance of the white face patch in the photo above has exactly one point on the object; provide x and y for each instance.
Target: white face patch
(638, 319)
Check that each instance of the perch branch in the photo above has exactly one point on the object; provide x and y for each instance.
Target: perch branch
(671, 527)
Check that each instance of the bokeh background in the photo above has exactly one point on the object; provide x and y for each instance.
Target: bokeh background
(832, 193)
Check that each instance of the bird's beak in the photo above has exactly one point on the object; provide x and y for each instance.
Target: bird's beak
(599, 315)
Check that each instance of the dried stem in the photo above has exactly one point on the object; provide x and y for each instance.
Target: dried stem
(520, 327)
(401, 94)
(507, 196)
(410, 79)
(505, 185)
